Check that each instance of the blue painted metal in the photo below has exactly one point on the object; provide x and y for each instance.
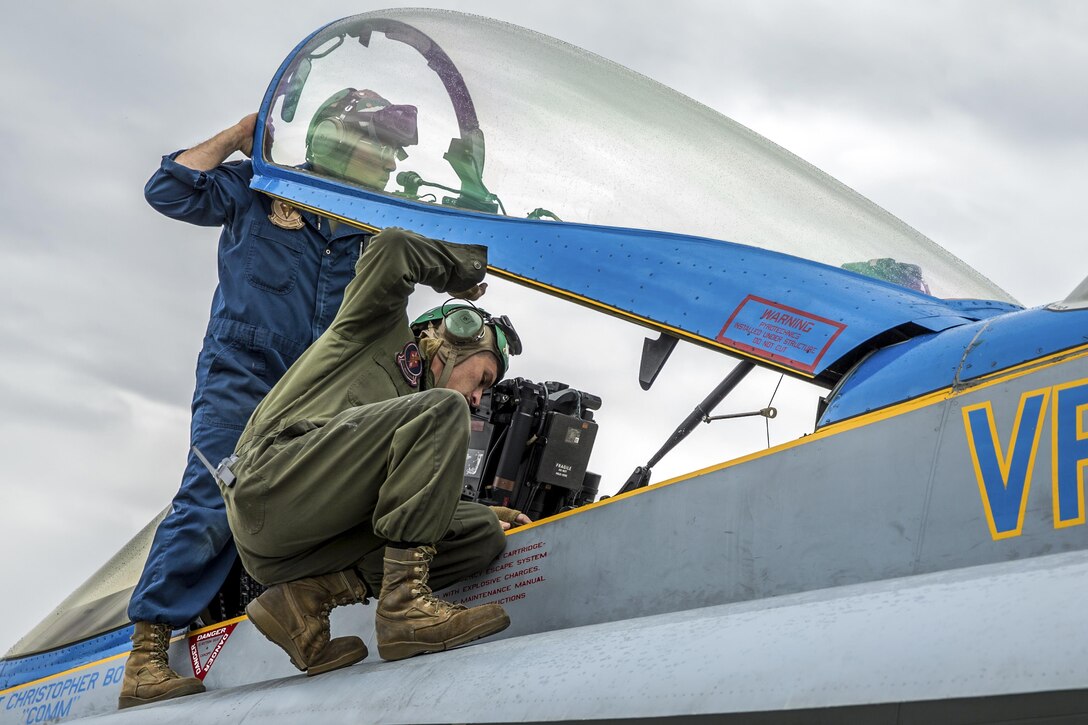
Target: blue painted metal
(259, 139)
(14, 672)
(1012, 339)
(687, 285)
(953, 358)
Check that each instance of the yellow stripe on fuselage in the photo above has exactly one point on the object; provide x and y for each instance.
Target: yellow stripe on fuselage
(831, 430)
(892, 411)
(89, 665)
(576, 298)
(639, 320)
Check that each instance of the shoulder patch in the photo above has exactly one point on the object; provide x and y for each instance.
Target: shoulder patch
(411, 363)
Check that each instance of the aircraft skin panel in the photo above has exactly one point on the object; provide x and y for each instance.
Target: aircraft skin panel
(781, 311)
(790, 519)
(961, 494)
(926, 546)
(957, 357)
(920, 639)
(18, 672)
(1013, 436)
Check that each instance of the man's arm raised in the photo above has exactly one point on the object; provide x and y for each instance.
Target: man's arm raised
(206, 155)
(394, 262)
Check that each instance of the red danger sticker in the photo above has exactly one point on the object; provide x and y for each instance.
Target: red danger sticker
(792, 337)
(204, 647)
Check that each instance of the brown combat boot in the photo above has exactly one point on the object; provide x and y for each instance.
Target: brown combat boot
(295, 615)
(148, 677)
(411, 621)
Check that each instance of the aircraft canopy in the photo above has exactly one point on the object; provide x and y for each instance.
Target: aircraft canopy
(467, 112)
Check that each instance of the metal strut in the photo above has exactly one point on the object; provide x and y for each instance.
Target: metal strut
(641, 475)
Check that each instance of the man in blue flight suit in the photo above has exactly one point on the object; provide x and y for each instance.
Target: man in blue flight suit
(282, 274)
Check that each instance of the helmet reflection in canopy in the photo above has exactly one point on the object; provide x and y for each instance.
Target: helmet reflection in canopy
(358, 136)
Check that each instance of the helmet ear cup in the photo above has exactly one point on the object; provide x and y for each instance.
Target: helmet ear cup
(328, 134)
(325, 149)
(462, 328)
(463, 324)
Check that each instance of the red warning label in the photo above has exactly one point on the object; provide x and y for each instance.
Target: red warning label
(206, 646)
(505, 580)
(786, 335)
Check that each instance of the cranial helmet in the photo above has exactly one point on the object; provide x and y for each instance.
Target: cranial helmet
(462, 330)
(355, 131)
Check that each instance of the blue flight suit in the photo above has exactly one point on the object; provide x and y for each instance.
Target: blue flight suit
(278, 291)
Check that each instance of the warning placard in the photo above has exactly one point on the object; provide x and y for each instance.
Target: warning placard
(792, 337)
(204, 647)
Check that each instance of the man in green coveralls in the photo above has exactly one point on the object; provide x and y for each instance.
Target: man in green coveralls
(349, 473)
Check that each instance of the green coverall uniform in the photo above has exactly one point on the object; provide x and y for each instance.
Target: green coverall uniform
(344, 455)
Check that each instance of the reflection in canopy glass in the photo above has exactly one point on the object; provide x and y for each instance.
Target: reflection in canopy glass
(496, 118)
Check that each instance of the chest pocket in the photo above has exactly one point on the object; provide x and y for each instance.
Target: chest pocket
(371, 385)
(273, 260)
(375, 384)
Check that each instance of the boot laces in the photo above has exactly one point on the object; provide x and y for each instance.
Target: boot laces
(159, 657)
(349, 596)
(326, 627)
(423, 591)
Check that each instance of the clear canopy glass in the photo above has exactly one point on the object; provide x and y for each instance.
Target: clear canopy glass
(446, 108)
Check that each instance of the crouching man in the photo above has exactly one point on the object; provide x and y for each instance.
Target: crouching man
(348, 475)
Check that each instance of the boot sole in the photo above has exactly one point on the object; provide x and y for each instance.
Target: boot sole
(273, 631)
(393, 651)
(270, 627)
(342, 661)
(125, 701)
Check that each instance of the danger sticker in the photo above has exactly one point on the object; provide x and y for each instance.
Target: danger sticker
(206, 646)
(789, 336)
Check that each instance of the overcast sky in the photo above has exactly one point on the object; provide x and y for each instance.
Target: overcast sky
(968, 120)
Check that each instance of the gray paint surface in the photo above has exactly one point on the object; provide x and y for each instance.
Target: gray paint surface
(746, 560)
(933, 636)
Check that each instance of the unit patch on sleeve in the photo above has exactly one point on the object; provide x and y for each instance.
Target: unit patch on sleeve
(411, 363)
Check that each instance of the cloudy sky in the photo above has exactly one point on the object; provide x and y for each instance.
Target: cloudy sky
(968, 120)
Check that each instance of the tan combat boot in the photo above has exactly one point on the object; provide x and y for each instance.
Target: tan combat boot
(411, 621)
(148, 677)
(295, 615)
